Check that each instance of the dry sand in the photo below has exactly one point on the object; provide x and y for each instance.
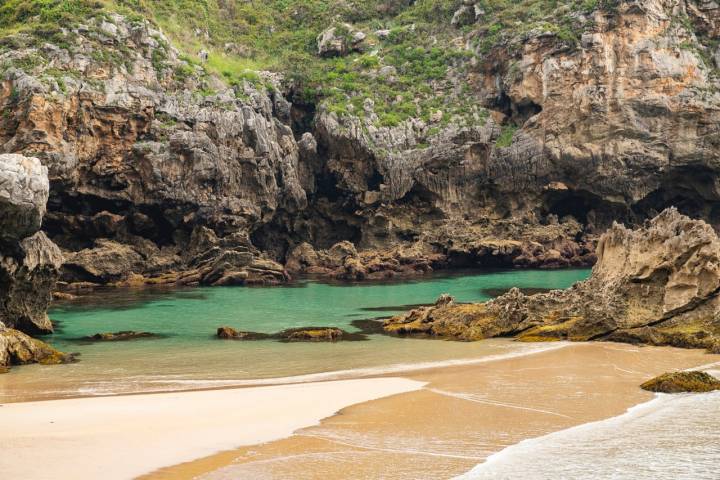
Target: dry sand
(462, 416)
(124, 436)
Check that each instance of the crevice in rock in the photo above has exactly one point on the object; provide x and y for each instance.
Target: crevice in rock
(516, 113)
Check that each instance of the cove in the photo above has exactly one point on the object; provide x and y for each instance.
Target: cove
(187, 355)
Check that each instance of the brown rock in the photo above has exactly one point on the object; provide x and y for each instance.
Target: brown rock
(16, 348)
(680, 382)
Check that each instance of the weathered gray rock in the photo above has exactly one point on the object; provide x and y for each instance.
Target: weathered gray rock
(24, 191)
(29, 261)
(339, 40)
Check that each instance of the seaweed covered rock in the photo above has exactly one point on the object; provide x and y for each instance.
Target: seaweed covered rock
(313, 334)
(680, 382)
(119, 336)
(16, 348)
(301, 334)
(658, 284)
(229, 333)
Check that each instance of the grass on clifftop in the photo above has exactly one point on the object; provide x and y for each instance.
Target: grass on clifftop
(427, 54)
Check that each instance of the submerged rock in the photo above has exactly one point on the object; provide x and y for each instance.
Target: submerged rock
(658, 284)
(119, 336)
(679, 382)
(229, 333)
(302, 334)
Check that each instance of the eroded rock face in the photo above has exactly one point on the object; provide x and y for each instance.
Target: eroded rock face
(29, 261)
(659, 284)
(138, 160)
(554, 141)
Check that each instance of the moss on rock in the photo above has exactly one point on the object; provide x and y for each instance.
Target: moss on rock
(679, 382)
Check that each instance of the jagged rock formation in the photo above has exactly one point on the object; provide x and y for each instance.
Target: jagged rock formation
(659, 284)
(29, 261)
(539, 139)
(16, 348)
(29, 264)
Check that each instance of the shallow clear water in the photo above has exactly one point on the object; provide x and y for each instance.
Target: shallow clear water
(673, 437)
(188, 355)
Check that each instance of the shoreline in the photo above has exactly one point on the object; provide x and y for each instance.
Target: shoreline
(446, 429)
(443, 420)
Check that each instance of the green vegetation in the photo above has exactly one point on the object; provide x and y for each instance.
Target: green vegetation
(411, 63)
(506, 136)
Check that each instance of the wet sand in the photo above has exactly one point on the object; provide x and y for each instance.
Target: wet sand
(123, 436)
(463, 415)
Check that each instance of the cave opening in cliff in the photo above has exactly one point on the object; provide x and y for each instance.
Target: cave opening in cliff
(517, 113)
(75, 221)
(583, 206)
(691, 190)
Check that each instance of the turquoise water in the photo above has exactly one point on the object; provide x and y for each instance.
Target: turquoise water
(187, 355)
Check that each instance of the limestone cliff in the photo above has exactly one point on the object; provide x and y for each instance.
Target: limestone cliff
(29, 263)
(659, 284)
(465, 134)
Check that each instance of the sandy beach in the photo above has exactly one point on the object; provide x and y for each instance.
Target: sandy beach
(462, 416)
(80, 438)
(432, 423)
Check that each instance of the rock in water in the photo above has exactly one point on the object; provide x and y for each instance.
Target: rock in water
(658, 284)
(29, 261)
(119, 336)
(312, 334)
(16, 348)
(229, 333)
(679, 382)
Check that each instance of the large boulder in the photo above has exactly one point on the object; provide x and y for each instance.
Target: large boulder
(658, 284)
(16, 348)
(29, 261)
(681, 382)
(339, 40)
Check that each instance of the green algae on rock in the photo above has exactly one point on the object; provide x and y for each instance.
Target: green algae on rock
(658, 284)
(118, 336)
(680, 382)
(16, 348)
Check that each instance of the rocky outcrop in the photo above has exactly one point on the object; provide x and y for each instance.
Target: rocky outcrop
(16, 348)
(339, 40)
(29, 261)
(681, 382)
(659, 284)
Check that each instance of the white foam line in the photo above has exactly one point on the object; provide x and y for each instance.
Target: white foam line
(636, 410)
(474, 398)
(406, 451)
